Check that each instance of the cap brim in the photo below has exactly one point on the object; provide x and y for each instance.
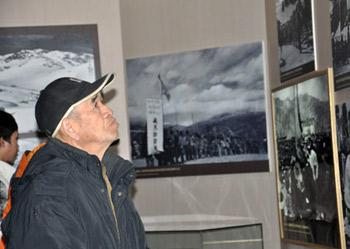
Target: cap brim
(105, 80)
(97, 86)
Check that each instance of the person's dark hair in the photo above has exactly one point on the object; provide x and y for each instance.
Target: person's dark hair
(8, 125)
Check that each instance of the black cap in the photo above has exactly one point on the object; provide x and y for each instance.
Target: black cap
(59, 98)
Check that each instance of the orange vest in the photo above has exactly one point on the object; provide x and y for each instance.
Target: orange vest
(26, 157)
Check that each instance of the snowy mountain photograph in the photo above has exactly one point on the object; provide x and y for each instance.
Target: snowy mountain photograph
(295, 38)
(213, 106)
(32, 57)
(301, 110)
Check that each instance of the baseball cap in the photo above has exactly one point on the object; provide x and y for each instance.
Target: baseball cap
(60, 97)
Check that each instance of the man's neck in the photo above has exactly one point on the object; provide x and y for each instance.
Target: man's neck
(2, 157)
(98, 151)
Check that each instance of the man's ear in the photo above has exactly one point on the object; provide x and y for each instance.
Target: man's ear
(68, 128)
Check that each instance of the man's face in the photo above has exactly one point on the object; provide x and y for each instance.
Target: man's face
(95, 123)
(10, 149)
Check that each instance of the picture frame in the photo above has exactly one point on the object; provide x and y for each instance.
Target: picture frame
(307, 170)
(342, 102)
(198, 112)
(295, 38)
(33, 56)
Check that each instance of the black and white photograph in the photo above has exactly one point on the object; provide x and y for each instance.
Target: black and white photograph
(340, 35)
(307, 193)
(198, 108)
(32, 57)
(295, 38)
(342, 111)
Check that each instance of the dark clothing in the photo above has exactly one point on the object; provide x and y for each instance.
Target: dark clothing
(62, 202)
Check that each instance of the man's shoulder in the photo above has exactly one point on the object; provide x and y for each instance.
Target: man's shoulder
(47, 173)
(47, 162)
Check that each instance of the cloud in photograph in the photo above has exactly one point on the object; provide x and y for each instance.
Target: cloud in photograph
(201, 83)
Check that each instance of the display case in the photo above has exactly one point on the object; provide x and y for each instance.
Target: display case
(203, 232)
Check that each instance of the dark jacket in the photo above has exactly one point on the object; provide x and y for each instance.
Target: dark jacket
(62, 202)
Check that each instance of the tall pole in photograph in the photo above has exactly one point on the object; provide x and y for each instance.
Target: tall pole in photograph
(164, 91)
(298, 110)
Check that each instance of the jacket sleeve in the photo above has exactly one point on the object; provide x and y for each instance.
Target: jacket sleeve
(51, 223)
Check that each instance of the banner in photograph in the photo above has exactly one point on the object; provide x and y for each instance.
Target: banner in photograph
(154, 126)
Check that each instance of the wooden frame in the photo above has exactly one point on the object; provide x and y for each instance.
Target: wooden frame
(307, 169)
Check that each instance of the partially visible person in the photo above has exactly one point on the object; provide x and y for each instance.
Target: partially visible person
(8, 154)
(313, 162)
(346, 179)
(74, 193)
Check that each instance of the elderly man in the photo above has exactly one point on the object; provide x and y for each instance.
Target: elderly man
(74, 193)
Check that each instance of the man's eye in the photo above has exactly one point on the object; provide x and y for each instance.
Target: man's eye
(96, 104)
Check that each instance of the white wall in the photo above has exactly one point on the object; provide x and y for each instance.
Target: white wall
(156, 27)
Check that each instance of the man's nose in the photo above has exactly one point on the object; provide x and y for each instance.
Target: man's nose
(107, 111)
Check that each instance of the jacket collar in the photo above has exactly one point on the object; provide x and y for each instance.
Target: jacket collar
(69, 148)
(117, 168)
(81, 157)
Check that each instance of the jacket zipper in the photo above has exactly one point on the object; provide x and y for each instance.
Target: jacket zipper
(109, 193)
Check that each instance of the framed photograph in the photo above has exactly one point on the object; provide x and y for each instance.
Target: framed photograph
(295, 38)
(340, 35)
(307, 169)
(198, 112)
(342, 112)
(32, 57)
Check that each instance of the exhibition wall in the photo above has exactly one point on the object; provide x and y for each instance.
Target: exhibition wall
(130, 29)
(159, 27)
